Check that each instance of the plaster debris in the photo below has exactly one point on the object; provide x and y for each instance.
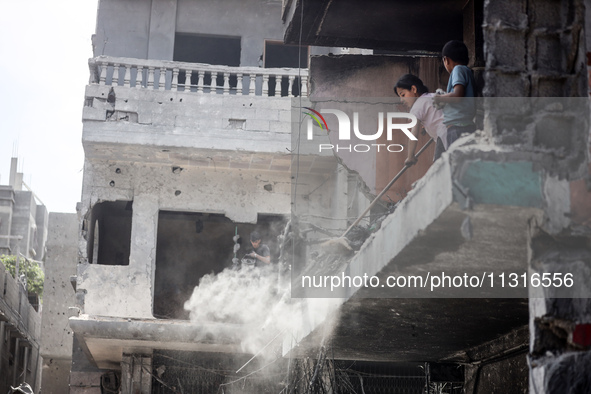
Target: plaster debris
(466, 228)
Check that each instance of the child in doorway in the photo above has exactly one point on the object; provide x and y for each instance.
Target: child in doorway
(460, 107)
(414, 95)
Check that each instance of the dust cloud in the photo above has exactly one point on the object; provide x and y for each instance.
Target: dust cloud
(259, 301)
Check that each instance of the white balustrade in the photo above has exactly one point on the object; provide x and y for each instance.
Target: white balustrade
(127, 77)
(103, 78)
(150, 78)
(188, 80)
(226, 83)
(278, 85)
(139, 77)
(168, 75)
(290, 87)
(239, 84)
(252, 80)
(175, 79)
(213, 89)
(162, 86)
(115, 74)
(265, 84)
(201, 76)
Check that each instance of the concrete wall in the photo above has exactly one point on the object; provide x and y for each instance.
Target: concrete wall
(22, 220)
(20, 216)
(56, 339)
(162, 28)
(122, 28)
(6, 207)
(497, 377)
(537, 49)
(41, 219)
(157, 119)
(145, 30)
(23, 217)
(256, 21)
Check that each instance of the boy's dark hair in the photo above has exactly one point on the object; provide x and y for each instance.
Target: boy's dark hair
(456, 51)
(407, 81)
(255, 236)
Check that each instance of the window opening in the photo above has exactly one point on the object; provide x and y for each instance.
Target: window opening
(190, 245)
(109, 239)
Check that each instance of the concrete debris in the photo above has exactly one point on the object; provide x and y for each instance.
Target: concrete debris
(466, 228)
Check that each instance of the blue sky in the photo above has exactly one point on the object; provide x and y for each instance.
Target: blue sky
(44, 50)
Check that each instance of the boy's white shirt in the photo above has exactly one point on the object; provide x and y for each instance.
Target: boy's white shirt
(430, 117)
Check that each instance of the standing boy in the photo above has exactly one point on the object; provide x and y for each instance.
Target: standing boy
(261, 251)
(460, 106)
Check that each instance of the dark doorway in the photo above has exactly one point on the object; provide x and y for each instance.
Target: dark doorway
(210, 49)
(192, 244)
(278, 54)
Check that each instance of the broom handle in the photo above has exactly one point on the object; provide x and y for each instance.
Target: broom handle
(388, 186)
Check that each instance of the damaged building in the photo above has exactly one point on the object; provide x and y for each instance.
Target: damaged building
(186, 133)
(188, 121)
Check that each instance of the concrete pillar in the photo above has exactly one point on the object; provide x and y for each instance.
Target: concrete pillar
(25, 364)
(13, 165)
(35, 383)
(142, 258)
(6, 211)
(2, 334)
(16, 362)
(59, 296)
(162, 30)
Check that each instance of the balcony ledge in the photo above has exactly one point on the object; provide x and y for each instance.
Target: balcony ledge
(105, 339)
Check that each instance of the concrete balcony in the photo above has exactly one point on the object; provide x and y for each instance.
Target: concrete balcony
(178, 112)
(469, 214)
(105, 339)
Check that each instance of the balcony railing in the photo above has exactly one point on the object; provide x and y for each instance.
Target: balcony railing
(197, 77)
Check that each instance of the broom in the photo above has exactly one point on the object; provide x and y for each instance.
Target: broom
(342, 242)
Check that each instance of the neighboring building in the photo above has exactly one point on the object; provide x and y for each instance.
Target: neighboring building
(23, 218)
(23, 232)
(180, 135)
